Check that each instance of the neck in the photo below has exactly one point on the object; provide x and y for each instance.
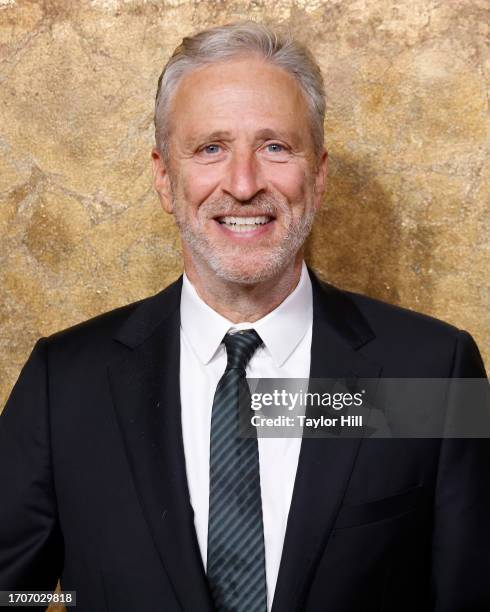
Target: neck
(243, 302)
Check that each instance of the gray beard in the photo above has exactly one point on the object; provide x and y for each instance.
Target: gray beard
(274, 261)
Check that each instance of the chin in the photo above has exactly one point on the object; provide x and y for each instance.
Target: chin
(246, 265)
(250, 270)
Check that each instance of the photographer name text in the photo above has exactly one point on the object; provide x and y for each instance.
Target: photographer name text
(302, 420)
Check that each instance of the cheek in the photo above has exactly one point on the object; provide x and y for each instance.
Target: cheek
(198, 184)
(290, 181)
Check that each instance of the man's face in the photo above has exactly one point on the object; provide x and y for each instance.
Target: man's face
(242, 178)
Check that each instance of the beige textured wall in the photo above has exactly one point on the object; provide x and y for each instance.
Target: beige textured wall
(406, 218)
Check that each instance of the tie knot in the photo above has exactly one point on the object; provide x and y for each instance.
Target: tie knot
(240, 346)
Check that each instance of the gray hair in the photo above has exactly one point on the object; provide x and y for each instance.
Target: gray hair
(227, 42)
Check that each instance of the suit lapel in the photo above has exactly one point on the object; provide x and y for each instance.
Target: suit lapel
(145, 387)
(324, 466)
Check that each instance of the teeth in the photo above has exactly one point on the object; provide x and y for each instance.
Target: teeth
(243, 224)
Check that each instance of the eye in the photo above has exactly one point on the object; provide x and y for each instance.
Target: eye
(275, 147)
(211, 149)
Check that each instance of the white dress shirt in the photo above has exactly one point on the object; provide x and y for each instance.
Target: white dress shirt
(286, 334)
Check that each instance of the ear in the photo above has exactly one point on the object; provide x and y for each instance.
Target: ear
(321, 179)
(161, 180)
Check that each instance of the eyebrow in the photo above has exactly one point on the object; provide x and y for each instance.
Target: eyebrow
(265, 134)
(216, 135)
(270, 134)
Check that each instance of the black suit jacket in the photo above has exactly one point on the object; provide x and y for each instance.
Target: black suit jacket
(93, 482)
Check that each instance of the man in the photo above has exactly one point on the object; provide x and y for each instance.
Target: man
(120, 469)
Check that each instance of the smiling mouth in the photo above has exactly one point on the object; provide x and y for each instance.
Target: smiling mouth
(244, 224)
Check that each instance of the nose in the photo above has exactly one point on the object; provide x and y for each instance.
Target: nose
(243, 179)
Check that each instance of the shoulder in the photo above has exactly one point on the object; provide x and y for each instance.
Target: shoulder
(380, 317)
(129, 323)
(387, 318)
(405, 341)
(424, 343)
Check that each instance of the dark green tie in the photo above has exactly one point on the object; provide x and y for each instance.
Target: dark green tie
(236, 558)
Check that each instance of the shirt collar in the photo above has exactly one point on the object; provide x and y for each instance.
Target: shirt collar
(281, 329)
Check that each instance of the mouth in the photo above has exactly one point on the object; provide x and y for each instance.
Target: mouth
(244, 224)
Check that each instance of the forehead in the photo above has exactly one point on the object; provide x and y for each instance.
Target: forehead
(243, 94)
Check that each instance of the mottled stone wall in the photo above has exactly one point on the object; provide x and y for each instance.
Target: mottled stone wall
(406, 218)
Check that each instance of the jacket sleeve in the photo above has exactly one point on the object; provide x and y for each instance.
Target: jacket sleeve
(461, 540)
(31, 545)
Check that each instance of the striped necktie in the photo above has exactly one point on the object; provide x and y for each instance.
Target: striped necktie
(236, 557)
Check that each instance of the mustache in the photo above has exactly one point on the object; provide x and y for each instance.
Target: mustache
(257, 206)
